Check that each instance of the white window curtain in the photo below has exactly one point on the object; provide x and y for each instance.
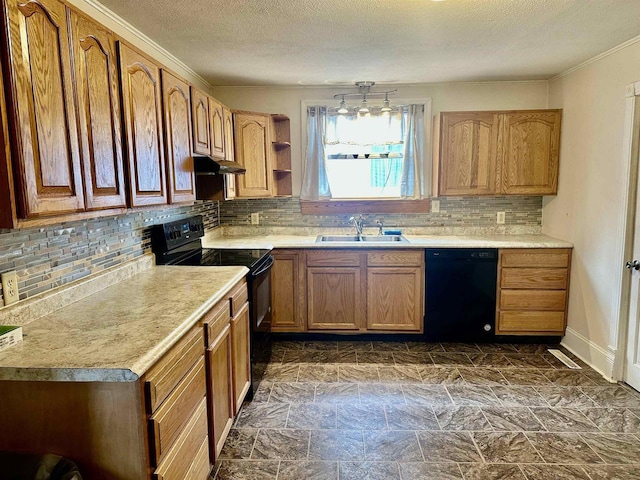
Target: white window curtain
(412, 184)
(315, 183)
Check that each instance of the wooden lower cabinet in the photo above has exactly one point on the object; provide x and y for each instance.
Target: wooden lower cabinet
(241, 356)
(334, 298)
(532, 291)
(287, 284)
(394, 298)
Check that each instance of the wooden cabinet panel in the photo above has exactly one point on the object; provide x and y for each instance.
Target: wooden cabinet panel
(285, 292)
(239, 296)
(217, 129)
(395, 258)
(557, 258)
(395, 298)
(241, 361)
(215, 320)
(200, 122)
(220, 391)
(531, 152)
(228, 134)
(177, 126)
(334, 298)
(540, 278)
(98, 101)
(333, 258)
(142, 100)
(252, 147)
(49, 172)
(468, 162)
(533, 300)
(532, 323)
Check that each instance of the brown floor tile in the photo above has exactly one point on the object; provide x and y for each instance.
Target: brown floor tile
(281, 373)
(239, 443)
(443, 447)
(614, 420)
(292, 393)
(412, 358)
(555, 472)
(321, 345)
(598, 379)
(396, 446)
(527, 361)
(312, 416)
(342, 358)
(375, 358)
(283, 444)
(571, 397)
(440, 375)
(355, 346)
(563, 420)
(336, 445)
(612, 472)
(337, 393)
(495, 471)
(506, 447)
(482, 376)
(614, 448)
(281, 345)
(430, 471)
(361, 417)
(262, 392)
(308, 470)
(519, 396)
(497, 347)
(569, 378)
(358, 373)
(563, 448)
(489, 360)
(424, 347)
(460, 348)
(533, 348)
(318, 373)
(248, 470)
(426, 395)
(263, 415)
(524, 376)
(615, 396)
(451, 359)
(404, 374)
(381, 394)
(411, 417)
(472, 395)
(461, 418)
(389, 346)
(369, 471)
(511, 419)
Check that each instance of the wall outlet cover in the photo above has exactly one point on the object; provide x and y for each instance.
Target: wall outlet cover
(10, 287)
(255, 218)
(500, 218)
(435, 206)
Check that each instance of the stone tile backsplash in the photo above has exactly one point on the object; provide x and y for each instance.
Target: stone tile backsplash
(47, 257)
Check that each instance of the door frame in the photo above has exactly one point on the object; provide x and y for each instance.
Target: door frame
(631, 155)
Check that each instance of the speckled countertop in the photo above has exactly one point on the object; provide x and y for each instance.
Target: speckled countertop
(116, 334)
(216, 240)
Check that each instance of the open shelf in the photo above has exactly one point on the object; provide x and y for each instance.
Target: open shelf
(282, 156)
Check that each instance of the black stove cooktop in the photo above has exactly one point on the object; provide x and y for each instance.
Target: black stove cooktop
(224, 257)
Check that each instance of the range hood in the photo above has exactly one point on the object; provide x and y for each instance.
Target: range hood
(206, 165)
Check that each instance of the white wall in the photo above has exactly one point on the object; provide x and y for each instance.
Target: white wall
(445, 97)
(588, 208)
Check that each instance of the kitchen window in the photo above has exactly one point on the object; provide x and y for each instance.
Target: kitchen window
(372, 156)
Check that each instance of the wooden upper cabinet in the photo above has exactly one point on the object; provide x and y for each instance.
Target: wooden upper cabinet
(201, 122)
(98, 101)
(217, 129)
(177, 125)
(531, 152)
(48, 161)
(468, 153)
(252, 146)
(142, 101)
(228, 134)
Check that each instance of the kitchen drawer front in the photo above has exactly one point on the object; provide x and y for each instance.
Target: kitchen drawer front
(534, 278)
(554, 300)
(180, 463)
(239, 296)
(168, 421)
(395, 258)
(552, 257)
(528, 323)
(165, 375)
(333, 258)
(215, 320)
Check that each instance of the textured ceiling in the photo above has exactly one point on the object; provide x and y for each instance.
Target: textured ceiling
(316, 42)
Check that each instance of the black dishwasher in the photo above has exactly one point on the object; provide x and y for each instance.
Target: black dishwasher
(460, 297)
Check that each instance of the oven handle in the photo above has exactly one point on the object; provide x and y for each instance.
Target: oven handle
(267, 265)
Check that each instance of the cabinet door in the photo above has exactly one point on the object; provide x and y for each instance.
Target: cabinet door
(229, 180)
(49, 171)
(201, 125)
(285, 293)
(96, 75)
(394, 298)
(142, 100)
(468, 153)
(220, 391)
(252, 147)
(530, 152)
(241, 356)
(177, 126)
(217, 129)
(334, 298)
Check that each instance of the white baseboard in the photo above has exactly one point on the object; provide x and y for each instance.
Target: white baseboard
(598, 358)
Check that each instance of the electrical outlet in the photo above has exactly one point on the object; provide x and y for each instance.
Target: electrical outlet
(500, 218)
(255, 218)
(10, 287)
(435, 206)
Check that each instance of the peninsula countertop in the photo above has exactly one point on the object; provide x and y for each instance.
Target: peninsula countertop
(118, 333)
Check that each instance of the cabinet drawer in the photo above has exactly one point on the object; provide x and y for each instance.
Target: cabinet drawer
(536, 258)
(215, 320)
(533, 300)
(181, 462)
(395, 258)
(531, 323)
(171, 417)
(165, 375)
(239, 296)
(333, 258)
(534, 278)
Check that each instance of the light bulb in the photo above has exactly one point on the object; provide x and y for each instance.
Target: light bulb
(343, 107)
(364, 108)
(385, 106)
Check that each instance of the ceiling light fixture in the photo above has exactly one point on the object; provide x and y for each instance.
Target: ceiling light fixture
(364, 91)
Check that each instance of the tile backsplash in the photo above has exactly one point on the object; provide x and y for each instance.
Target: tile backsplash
(47, 257)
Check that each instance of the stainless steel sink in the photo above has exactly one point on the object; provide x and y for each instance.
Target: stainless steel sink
(362, 238)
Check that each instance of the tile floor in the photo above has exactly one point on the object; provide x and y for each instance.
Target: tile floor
(353, 410)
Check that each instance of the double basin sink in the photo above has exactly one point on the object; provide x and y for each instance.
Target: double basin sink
(361, 238)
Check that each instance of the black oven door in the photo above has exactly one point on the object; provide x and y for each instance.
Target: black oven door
(260, 313)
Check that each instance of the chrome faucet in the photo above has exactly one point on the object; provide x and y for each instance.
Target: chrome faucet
(380, 226)
(358, 223)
